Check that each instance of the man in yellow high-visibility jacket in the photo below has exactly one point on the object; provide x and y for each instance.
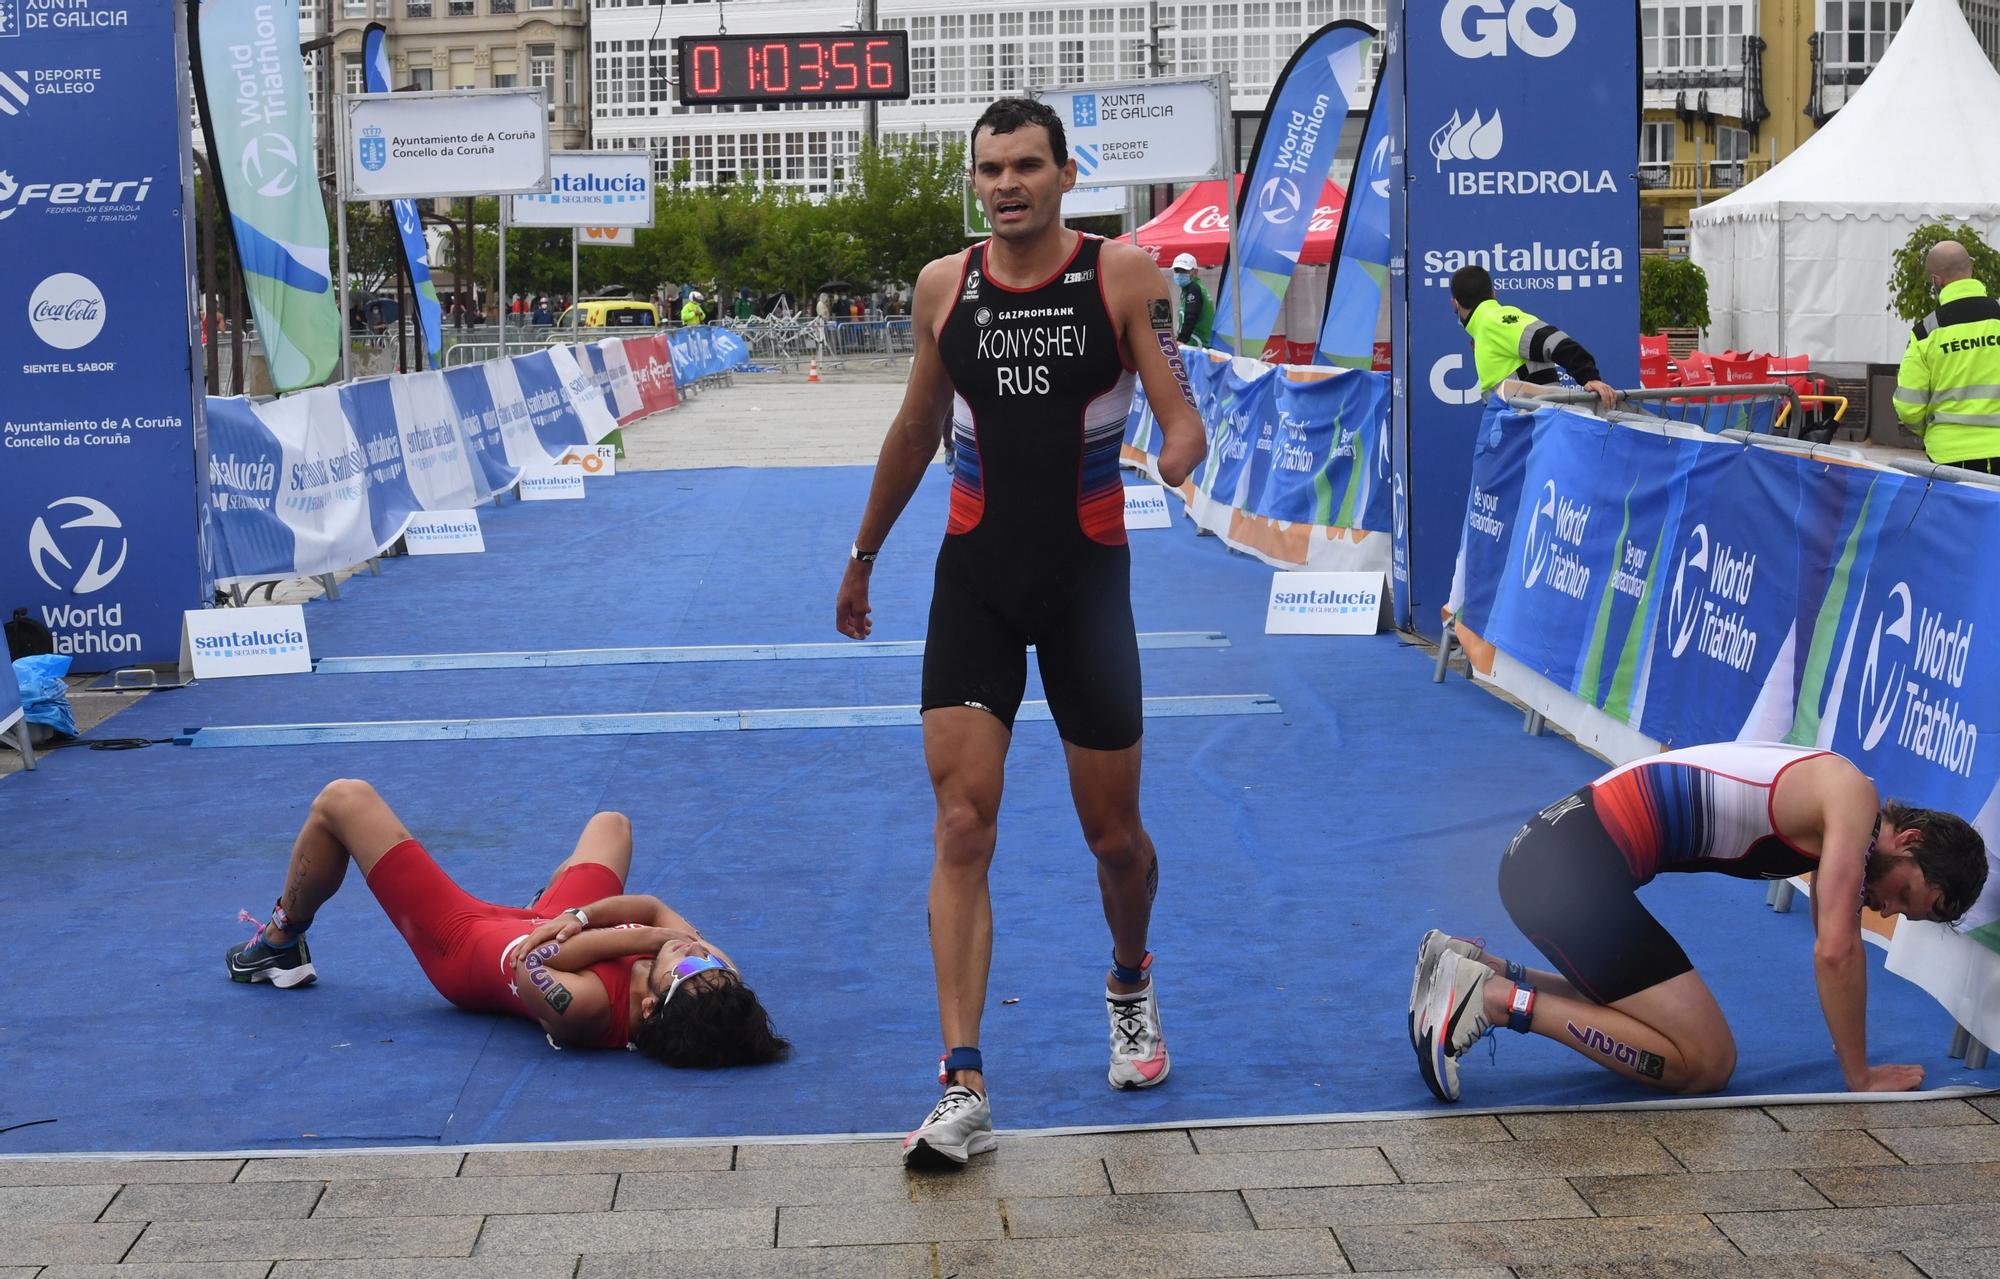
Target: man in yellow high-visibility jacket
(1508, 343)
(1948, 388)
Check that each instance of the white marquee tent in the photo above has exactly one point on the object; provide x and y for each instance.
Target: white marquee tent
(1798, 261)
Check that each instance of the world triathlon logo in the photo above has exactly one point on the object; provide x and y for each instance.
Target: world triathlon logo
(1278, 200)
(1684, 605)
(1875, 709)
(1541, 538)
(57, 566)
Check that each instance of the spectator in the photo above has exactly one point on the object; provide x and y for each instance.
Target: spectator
(745, 308)
(1197, 308)
(823, 307)
(541, 316)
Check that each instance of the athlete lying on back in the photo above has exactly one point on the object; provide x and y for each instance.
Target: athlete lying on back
(594, 966)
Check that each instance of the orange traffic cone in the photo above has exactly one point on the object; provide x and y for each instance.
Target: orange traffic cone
(812, 374)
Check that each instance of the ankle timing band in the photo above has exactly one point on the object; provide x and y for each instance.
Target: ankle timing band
(1521, 1011)
(1130, 976)
(285, 923)
(959, 1059)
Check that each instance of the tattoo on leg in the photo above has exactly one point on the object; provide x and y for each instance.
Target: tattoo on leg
(1153, 879)
(1172, 350)
(1649, 1065)
(554, 993)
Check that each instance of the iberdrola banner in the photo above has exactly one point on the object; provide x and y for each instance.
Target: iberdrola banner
(430, 315)
(1288, 166)
(253, 100)
(1361, 254)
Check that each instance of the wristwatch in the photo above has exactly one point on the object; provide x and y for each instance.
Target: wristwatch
(582, 920)
(866, 557)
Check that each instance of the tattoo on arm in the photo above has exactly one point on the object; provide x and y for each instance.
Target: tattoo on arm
(1162, 313)
(554, 993)
(1172, 350)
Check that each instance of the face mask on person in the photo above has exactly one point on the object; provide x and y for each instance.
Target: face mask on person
(1181, 278)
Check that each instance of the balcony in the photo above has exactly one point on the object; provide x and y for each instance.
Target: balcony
(1717, 176)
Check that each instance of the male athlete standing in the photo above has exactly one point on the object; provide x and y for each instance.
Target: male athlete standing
(1032, 341)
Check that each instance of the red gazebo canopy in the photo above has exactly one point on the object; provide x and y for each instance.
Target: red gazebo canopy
(1198, 223)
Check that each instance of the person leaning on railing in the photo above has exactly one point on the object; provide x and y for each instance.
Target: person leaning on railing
(1948, 388)
(1507, 342)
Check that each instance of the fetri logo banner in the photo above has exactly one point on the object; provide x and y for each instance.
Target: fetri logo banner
(222, 643)
(552, 484)
(1146, 507)
(1324, 604)
(444, 533)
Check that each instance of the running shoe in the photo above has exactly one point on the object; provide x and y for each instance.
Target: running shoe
(1138, 1049)
(1435, 943)
(960, 1126)
(284, 967)
(1451, 1020)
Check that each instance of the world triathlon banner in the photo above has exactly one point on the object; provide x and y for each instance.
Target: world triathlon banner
(1355, 292)
(100, 405)
(1297, 471)
(1289, 165)
(703, 351)
(410, 227)
(1699, 590)
(326, 479)
(259, 129)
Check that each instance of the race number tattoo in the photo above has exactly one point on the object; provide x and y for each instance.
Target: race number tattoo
(1645, 1064)
(1172, 350)
(1162, 313)
(554, 993)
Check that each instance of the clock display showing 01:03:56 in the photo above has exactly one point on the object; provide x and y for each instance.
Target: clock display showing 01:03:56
(820, 67)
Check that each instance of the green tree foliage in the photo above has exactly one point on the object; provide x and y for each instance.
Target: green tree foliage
(1673, 294)
(1910, 292)
(905, 204)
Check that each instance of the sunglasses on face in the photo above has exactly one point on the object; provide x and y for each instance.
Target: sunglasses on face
(688, 967)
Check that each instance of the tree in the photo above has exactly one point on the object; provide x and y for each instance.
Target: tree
(1910, 293)
(906, 202)
(1673, 294)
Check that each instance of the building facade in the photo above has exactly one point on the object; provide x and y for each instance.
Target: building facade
(1732, 88)
(962, 56)
(476, 44)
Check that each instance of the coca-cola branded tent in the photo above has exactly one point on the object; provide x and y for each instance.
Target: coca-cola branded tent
(1198, 223)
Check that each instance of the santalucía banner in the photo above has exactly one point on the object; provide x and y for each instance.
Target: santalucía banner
(261, 147)
(1695, 589)
(1289, 164)
(409, 226)
(1297, 470)
(325, 479)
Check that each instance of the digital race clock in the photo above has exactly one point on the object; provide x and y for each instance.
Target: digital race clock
(825, 66)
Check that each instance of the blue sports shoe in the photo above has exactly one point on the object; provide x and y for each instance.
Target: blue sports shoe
(282, 966)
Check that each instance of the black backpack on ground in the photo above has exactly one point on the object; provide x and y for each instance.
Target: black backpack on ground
(27, 637)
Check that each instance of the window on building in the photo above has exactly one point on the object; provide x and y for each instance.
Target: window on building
(1856, 32)
(416, 8)
(543, 4)
(355, 8)
(421, 75)
(1691, 35)
(350, 73)
(1042, 22)
(923, 73)
(500, 6)
(1069, 22)
(1732, 148)
(462, 8)
(1656, 152)
(1101, 59)
(1103, 20)
(1010, 68)
(542, 68)
(951, 73)
(569, 82)
(461, 69)
(506, 69)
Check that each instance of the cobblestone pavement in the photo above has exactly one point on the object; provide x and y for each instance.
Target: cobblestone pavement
(1785, 1191)
(1900, 1189)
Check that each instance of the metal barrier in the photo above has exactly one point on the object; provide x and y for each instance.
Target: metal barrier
(1645, 395)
